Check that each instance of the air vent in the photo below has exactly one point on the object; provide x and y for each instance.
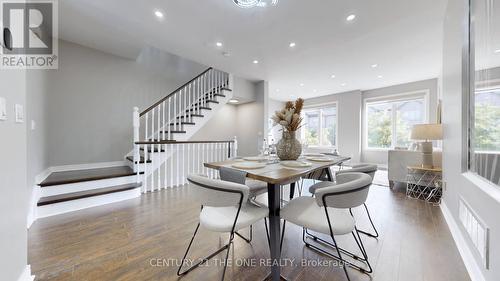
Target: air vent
(477, 231)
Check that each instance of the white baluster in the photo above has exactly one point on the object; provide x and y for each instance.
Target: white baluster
(178, 166)
(136, 123)
(235, 148)
(171, 153)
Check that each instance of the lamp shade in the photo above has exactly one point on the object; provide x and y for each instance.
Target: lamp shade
(427, 132)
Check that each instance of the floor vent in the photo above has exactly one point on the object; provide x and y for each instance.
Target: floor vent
(476, 229)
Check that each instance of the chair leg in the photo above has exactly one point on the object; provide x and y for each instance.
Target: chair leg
(329, 244)
(204, 260)
(282, 235)
(248, 240)
(227, 256)
(371, 222)
(363, 250)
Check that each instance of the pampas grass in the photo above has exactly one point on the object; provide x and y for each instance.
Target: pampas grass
(289, 117)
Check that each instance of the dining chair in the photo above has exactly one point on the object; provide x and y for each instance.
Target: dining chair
(224, 209)
(329, 212)
(369, 169)
(256, 188)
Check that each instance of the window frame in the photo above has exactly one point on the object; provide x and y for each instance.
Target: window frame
(407, 96)
(312, 107)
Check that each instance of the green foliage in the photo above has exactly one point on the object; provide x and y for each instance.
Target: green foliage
(379, 129)
(487, 127)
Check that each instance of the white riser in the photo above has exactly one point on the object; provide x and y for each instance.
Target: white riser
(80, 204)
(83, 186)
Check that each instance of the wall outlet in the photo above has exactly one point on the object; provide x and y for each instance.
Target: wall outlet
(19, 111)
(3, 109)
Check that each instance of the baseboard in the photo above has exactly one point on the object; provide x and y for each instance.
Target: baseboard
(87, 166)
(26, 275)
(467, 256)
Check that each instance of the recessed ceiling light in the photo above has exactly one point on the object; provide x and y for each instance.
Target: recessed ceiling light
(497, 51)
(255, 61)
(351, 17)
(333, 76)
(226, 54)
(218, 44)
(343, 84)
(159, 14)
(380, 76)
(234, 101)
(374, 65)
(292, 44)
(301, 84)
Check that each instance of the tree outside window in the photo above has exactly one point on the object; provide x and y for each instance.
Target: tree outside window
(320, 126)
(389, 123)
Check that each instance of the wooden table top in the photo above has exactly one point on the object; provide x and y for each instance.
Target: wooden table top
(420, 168)
(276, 173)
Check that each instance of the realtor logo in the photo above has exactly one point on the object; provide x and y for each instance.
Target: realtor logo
(34, 31)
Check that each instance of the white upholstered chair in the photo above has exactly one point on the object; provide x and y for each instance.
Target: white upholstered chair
(224, 209)
(369, 169)
(329, 213)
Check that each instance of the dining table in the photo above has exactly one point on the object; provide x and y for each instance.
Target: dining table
(278, 174)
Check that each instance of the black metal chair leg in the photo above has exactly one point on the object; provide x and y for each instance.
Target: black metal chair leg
(202, 261)
(340, 257)
(371, 222)
(248, 240)
(282, 235)
(363, 250)
(227, 256)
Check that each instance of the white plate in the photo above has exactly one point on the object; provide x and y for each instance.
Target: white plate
(255, 158)
(295, 164)
(248, 165)
(320, 159)
(313, 155)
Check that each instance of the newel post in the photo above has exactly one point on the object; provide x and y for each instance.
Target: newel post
(136, 124)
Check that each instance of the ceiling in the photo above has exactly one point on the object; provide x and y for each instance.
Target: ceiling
(403, 37)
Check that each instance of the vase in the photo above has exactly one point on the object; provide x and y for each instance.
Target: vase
(289, 148)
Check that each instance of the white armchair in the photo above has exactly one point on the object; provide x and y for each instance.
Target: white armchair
(399, 160)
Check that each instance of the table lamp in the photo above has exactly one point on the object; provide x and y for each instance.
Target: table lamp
(426, 133)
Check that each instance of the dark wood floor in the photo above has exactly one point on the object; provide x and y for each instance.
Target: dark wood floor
(121, 241)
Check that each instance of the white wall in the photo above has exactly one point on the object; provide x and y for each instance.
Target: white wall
(273, 106)
(482, 197)
(349, 121)
(15, 197)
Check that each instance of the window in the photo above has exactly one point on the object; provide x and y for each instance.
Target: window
(484, 97)
(388, 123)
(320, 126)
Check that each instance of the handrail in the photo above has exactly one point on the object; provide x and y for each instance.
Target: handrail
(181, 142)
(176, 90)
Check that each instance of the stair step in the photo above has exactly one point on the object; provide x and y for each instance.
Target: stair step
(220, 95)
(196, 109)
(141, 160)
(67, 177)
(182, 123)
(191, 115)
(176, 132)
(86, 194)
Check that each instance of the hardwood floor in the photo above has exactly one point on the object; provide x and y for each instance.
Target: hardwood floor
(135, 239)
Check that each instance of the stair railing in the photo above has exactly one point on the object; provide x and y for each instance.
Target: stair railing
(167, 164)
(162, 120)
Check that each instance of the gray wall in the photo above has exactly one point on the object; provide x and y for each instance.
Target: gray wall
(272, 107)
(349, 121)
(90, 101)
(478, 194)
(380, 157)
(37, 88)
(15, 197)
(222, 126)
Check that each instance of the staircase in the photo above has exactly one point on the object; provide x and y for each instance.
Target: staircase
(162, 154)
